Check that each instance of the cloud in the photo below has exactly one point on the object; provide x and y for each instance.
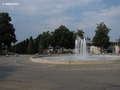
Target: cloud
(105, 15)
(37, 16)
(111, 17)
(46, 6)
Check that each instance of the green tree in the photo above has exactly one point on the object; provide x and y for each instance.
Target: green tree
(70, 41)
(30, 46)
(118, 40)
(53, 40)
(36, 45)
(16, 48)
(80, 33)
(12, 48)
(7, 31)
(22, 47)
(24, 42)
(26, 45)
(62, 37)
(44, 41)
(47, 39)
(41, 45)
(101, 38)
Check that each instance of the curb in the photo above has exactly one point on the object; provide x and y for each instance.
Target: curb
(71, 62)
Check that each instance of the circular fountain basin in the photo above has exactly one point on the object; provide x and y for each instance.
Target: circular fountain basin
(71, 59)
(90, 58)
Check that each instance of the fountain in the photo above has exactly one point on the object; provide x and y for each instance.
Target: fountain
(80, 48)
(81, 56)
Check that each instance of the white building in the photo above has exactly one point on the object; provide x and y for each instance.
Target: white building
(94, 49)
(113, 48)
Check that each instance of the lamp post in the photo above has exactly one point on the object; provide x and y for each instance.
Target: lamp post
(119, 45)
(6, 49)
(0, 44)
(2, 47)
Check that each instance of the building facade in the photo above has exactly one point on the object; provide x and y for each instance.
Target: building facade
(113, 48)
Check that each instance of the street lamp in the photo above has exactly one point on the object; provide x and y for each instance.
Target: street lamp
(1, 44)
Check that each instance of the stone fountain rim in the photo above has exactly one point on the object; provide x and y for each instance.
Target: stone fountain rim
(73, 62)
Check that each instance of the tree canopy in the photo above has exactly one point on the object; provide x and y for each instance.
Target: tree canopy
(118, 40)
(7, 31)
(63, 37)
(101, 38)
(80, 33)
(31, 46)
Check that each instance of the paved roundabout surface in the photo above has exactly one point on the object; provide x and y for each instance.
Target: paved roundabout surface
(19, 73)
(69, 67)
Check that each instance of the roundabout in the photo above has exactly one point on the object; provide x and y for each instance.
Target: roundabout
(19, 73)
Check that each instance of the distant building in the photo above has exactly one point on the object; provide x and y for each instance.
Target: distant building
(113, 48)
(94, 49)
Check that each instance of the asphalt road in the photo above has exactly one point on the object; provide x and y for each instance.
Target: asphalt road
(18, 73)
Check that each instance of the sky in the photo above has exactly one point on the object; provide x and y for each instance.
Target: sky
(32, 17)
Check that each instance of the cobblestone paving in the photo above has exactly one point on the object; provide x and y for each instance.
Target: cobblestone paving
(69, 67)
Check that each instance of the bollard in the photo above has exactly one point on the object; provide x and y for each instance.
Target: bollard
(7, 55)
(16, 55)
